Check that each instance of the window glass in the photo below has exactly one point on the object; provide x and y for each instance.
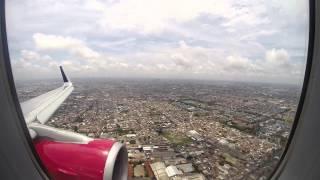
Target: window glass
(201, 89)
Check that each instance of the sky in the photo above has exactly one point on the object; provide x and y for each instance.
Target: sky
(237, 40)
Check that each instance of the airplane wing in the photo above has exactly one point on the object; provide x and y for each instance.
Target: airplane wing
(41, 108)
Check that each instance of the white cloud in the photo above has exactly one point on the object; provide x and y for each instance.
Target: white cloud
(237, 64)
(277, 56)
(153, 16)
(54, 42)
(94, 5)
(183, 61)
(32, 65)
(209, 39)
(254, 35)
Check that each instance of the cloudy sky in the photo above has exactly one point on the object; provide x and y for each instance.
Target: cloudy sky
(240, 40)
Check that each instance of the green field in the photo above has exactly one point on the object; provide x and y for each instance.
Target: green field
(177, 139)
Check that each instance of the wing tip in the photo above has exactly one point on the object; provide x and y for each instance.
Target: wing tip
(64, 77)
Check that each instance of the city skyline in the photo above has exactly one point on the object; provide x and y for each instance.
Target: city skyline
(194, 130)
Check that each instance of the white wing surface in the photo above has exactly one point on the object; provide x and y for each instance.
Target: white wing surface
(41, 108)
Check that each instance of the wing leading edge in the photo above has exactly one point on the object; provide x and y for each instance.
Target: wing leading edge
(41, 108)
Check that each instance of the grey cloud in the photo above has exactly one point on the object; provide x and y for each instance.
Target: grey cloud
(252, 40)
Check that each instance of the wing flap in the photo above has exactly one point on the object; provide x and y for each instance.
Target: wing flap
(45, 105)
(42, 107)
(47, 112)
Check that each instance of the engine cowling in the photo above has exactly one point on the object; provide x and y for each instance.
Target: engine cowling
(96, 160)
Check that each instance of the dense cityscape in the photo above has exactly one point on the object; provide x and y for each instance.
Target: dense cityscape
(181, 129)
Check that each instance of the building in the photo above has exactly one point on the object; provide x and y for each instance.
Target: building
(149, 169)
(194, 135)
(173, 171)
(159, 171)
(130, 171)
(139, 171)
(196, 176)
(186, 168)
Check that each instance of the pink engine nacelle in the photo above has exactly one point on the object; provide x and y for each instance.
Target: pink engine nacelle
(96, 160)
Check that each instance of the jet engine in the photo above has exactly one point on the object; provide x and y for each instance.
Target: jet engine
(67, 155)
